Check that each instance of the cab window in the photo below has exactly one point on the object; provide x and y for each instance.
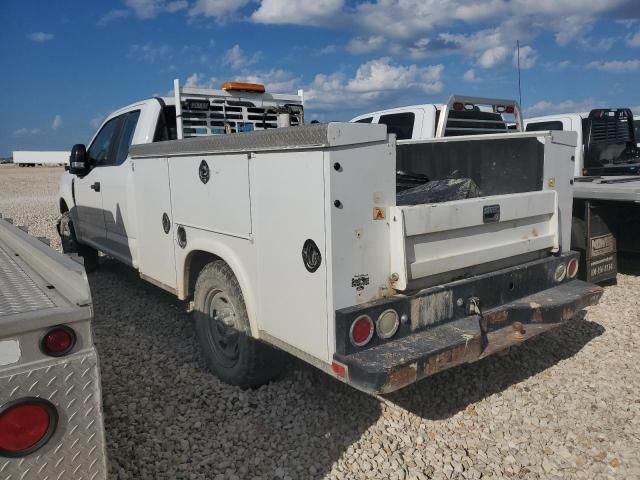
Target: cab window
(399, 123)
(364, 120)
(101, 149)
(166, 127)
(544, 126)
(126, 136)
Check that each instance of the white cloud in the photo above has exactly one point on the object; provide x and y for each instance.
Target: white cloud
(149, 52)
(299, 12)
(374, 82)
(236, 58)
(40, 37)
(616, 66)
(359, 45)
(57, 122)
(26, 131)
(545, 107)
(470, 76)
(152, 8)
(493, 56)
(380, 75)
(275, 80)
(111, 16)
(633, 40)
(216, 8)
(557, 65)
(528, 57)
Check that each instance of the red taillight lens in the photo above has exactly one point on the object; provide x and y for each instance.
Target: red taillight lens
(458, 106)
(510, 109)
(58, 341)
(26, 426)
(572, 268)
(361, 330)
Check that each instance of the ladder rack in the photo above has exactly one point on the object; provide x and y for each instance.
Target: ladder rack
(201, 111)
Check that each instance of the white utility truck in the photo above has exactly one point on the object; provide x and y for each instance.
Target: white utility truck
(50, 397)
(298, 238)
(461, 115)
(32, 158)
(606, 205)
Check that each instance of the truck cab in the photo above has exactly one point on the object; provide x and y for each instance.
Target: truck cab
(96, 196)
(461, 115)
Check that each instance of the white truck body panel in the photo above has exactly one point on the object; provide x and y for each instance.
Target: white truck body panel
(262, 202)
(40, 158)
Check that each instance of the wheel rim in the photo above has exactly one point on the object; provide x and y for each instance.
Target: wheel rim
(223, 328)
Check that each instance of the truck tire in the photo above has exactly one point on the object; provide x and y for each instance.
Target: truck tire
(222, 325)
(70, 243)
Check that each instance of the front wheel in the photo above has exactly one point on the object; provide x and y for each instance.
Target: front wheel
(70, 243)
(222, 325)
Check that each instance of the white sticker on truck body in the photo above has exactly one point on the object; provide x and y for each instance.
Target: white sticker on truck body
(9, 352)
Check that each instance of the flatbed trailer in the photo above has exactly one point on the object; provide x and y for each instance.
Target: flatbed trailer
(51, 423)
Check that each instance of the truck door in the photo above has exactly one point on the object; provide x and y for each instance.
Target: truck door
(117, 176)
(90, 224)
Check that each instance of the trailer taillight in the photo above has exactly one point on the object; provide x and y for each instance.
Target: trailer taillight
(58, 341)
(361, 330)
(560, 273)
(25, 426)
(458, 106)
(572, 268)
(510, 109)
(387, 323)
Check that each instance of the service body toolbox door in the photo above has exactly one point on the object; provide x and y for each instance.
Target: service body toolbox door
(156, 229)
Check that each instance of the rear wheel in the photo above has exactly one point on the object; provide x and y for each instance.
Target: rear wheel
(70, 243)
(223, 330)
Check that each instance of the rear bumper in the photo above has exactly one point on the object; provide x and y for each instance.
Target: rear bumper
(395, 364)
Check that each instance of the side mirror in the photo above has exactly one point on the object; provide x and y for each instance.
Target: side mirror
(78, 160)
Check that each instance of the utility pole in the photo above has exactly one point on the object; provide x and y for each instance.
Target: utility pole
(519, 84)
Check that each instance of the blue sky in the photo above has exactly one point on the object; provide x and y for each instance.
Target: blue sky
(66, 64)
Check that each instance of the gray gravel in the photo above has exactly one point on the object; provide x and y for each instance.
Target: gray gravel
(565, 405)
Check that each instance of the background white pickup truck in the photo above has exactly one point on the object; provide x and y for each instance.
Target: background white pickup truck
(295, 238)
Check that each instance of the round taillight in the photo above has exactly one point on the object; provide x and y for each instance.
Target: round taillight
(572, 268)
(58, 341)
(361, 330)
(560, 273)
(25, 426)
(387, 324)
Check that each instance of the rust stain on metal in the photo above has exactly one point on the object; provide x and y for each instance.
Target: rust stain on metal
(378, 213)
(400, 377)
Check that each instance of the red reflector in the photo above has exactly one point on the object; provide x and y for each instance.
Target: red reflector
(458, 106)
(572, 268)
(23, 426)
(58, 341)
(339, 369)
(361, 330)
(510, 109)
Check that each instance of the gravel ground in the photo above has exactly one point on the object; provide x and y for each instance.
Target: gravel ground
(565, 405)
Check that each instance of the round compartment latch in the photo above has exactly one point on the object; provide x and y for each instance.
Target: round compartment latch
(203, 171)
(311, 256)
(166, 223)
(182, 236)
